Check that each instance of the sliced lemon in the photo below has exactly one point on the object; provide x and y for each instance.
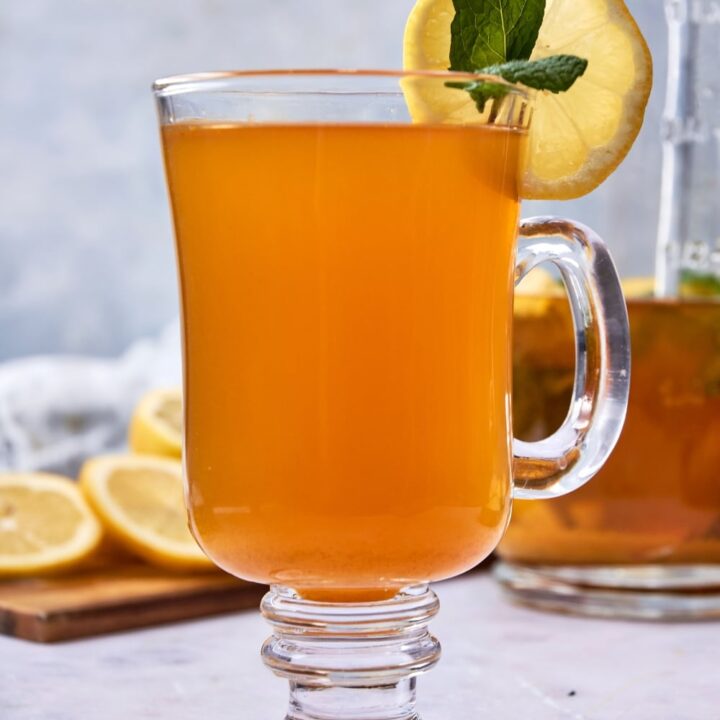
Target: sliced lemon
(638, 287)
(140, 500)
(534, 292)
(156, 425)
(576, 138)
(538, 282)
(45, 524)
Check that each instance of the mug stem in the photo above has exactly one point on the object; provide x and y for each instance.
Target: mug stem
(351, 661)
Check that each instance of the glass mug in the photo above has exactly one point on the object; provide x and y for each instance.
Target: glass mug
(347, 289)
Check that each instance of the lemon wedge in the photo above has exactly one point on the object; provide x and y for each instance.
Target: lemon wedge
(576, 138)
(140, 501)
(45, 524)
(156, 425)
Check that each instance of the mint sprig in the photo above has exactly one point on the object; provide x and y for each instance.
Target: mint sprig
(695, 283)
(489, 32)
(497, 37)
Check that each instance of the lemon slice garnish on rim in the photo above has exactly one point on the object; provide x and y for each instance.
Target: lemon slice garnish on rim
(140, 500)
(45, 524)
(577, 138)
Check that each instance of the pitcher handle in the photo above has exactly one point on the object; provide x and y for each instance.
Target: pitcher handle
(568, 458)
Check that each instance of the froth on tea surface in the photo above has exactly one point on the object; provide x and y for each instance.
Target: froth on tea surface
(346, 294)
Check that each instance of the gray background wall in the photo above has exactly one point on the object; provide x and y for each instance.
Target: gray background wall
(86, 259)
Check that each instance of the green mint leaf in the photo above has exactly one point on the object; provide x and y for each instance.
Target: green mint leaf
(497, 37)
(481, 91)
(485, 92)
(490, 32)
(556, 73)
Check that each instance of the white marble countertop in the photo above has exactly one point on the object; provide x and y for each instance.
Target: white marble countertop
(499, 662)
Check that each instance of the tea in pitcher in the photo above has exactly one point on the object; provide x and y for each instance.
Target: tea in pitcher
(657, 499)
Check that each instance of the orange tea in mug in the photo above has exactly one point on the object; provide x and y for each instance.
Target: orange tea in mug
(347, 346)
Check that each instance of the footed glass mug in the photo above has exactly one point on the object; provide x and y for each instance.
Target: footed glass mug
(347, 290)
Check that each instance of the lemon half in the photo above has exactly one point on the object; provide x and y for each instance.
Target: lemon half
(45, 524)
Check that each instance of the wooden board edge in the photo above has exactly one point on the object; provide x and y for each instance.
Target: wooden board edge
(74, 624)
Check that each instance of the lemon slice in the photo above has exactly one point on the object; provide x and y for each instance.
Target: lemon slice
(638, 287)
(576, 138)
(538, 282)
(534, 293)
(45, 524)
(140, 500)
(156, 425)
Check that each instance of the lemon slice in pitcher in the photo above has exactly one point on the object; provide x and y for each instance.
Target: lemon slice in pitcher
(638, 287)
(45, 524)
(577, 138)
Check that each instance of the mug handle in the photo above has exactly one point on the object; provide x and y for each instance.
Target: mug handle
(569, 457)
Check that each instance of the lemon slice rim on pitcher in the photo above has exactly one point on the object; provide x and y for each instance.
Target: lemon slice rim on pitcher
(577, 138)
(36, 506)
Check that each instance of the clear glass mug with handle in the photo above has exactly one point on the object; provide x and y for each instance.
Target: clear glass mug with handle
(346, 281)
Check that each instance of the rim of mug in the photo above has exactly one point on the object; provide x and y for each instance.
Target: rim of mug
(219, 79)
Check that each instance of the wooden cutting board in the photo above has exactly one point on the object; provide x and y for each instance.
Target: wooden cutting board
(119, 597)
